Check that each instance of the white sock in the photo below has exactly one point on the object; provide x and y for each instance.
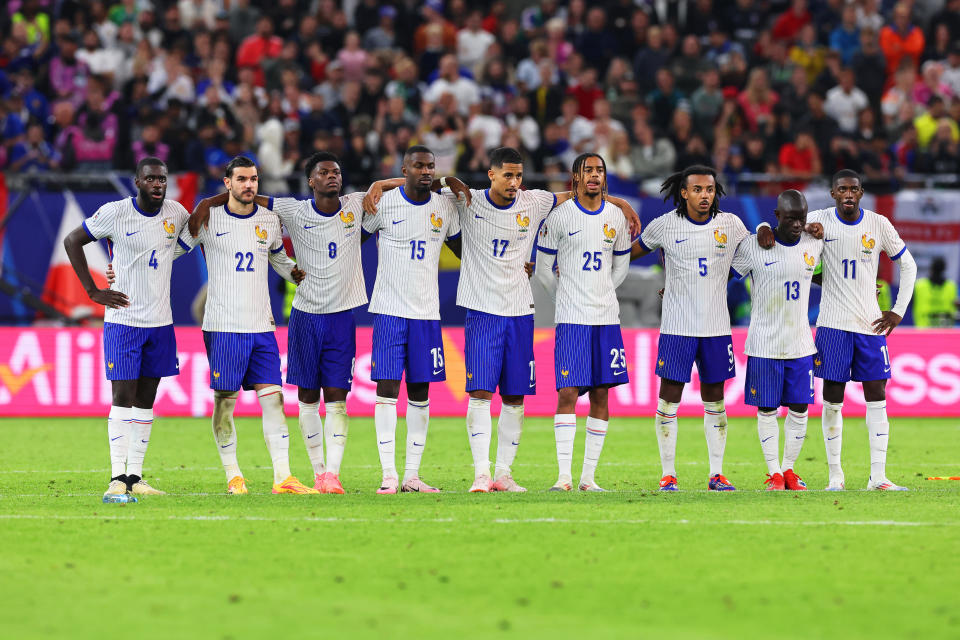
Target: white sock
(119, 430)
(141, 421)
(509, 429)
(715, 428)
(593, 446)
(224, 431)
(564, 430)
(832, 421)
(479, 427)
(311, 428)
(769, 431)
(794, 433)
(336, 435)
(879, 432)
(275, 431)
(385, 420)
(418, 421)
(665, 423)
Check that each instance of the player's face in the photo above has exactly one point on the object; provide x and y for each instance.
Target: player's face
(593, 176)
(791, 220)
(505, 180)
(243, 184)
(419, 170)
(326, 178)
(699, 193)
(152, 184)
(847, 193)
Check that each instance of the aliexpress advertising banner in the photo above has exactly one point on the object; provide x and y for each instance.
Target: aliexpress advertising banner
(60, 372)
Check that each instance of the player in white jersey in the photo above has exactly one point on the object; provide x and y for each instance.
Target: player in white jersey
(138, 338)
(326, 233)
(851, 330)
(413, 223)
(589, 241)
(779, 342)
(238, 325)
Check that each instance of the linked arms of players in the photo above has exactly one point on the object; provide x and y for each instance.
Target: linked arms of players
(544, 271)
(73, 244)
(889, 320)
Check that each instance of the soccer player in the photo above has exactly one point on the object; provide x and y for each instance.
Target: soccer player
(413, 223)
(851, 330)
(139, 346)
(238, 325)
(779, 342)
(326, 235)
(589, 240)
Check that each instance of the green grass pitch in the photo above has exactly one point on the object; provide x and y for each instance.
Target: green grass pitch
(632, 563)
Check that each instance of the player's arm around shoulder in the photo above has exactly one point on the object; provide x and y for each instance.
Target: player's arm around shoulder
(650, 239)
(633, 220)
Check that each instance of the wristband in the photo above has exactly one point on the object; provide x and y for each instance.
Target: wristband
(762, 224)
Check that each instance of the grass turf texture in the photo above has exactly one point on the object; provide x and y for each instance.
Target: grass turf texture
(634, 563)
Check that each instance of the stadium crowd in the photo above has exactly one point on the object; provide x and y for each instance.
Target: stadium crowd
(796, 87)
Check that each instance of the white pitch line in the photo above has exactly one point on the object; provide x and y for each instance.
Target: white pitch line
(225, 518)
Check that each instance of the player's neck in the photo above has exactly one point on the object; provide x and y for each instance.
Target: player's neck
(235, 206)
(416, 193)
(498, 199)
(696, 216)
(326, 203)
(782, 238)
(144, 206)
(590, 202)
(850, 217)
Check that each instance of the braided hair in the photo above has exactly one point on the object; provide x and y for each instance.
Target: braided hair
(577, 177)
(671, 188)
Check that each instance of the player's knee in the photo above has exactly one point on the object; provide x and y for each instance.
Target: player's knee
(671, 390)
(308, 396)
(566, 399)
(875, 390)
(712, 392)
(334, 394)
(481, 394)
(513, 401)
(388, 388)
(418, 392)
(124, 393)
(146, 392)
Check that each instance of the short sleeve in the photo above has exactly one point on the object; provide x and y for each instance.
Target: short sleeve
(285, 208)
(890, 240)
(621, 244)
(545, 202)
(277, 245)
(458, 204)
(741, 264)
(740, 229)
(181, 215)
(186, 241)
(453, 224)
(101, 223)
(652, 236)
(547, 242)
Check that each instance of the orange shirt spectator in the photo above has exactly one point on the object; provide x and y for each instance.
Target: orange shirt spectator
(901, 40)
(432, 11)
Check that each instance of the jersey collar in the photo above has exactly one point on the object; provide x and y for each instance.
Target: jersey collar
(141, 211)
(240, 215)
(855, 222)
(587, 211)
(700, 224)
(418, 203)
(493, 204)
(313, 203)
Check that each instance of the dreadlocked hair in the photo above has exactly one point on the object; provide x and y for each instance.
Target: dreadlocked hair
(671, 188)
(577, 177)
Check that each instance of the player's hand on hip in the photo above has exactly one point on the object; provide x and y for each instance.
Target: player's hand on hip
(109, 298)
(199, 218)
(298, 275)
(765, 237)
(528, 267)
(372, 198)
(886, 323)
(815, 229)
(112, 276)
(660, 293)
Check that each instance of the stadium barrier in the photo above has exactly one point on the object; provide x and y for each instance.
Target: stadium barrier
(60, 372)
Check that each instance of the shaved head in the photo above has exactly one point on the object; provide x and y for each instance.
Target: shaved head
(791, 199)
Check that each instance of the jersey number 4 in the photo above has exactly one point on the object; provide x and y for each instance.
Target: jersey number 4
(153, 260)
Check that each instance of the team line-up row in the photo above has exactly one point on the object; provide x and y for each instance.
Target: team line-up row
(582, 241)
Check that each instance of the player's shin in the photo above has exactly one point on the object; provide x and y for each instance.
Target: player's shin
(311, 428)
(418, 421)
(385, 420)
(593, 447)
(141, 424)
(336, 434)
(832, 421)
(225, 433)
(564, 431)
(509, 429)
(794, 433)
(879, 432)
(715, 429)
(769, 432)
(275, 431)
(666, 428)
(478, 434)
(119, 431)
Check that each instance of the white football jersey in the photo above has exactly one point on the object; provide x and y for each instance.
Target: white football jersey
(497, 241)
(142, 246)
(237, 251)
(585, 243)
(851, 255)
(697, 257)
(408, 253)
(327, 247)
(779, 327)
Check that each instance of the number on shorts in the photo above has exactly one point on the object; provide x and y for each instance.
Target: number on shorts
(619, 359)
(533, 372)
(886, 355)
(730, 353)
(437, 353)
(811, 379)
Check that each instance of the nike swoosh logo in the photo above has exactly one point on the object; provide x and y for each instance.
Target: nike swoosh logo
(223, 233)
(663, 422)
(339, 435)
(145, 441)
(767, 438)
(886, 369)
(679, 241)
(398, 221)
(616, 373)
(224, 446)
(418, 444)
(767, 264)
(533, 384)
(129, 233)
(573, 233)
(286, 435)
(833, 438)
(730, 369)
(516, 444)
(117, 438)
(474, 435)
(478, 217)
(880, 434)
(800, 437)
(314, 435)
(830, 239)
(382, 442)
(310, 226)
(438, 372)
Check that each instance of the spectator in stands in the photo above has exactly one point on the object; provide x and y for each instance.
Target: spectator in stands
(432, 11)
(931, 84)
(897, 104)
(935, 299)
(800, 159)
(787, 26)
(473, 42)
(68, 74)
(938, 47)
(149, 145)
(559, 48)
(779, 65)
(382, 36)
(689, 66)
(651, 156)
(596, 43)
(650, 59)
(929, 123)
(707, 100)
(901, 40)
(808, 53)
(757, 99)
(845, 38)
(33, 154)
(256, 47)
(869, 68)
(586, 91)
(942, 154)
(845, 101)
(89, 145)
(465, 91)
(663, 100)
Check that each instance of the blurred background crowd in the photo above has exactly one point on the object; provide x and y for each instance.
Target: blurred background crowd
(796, 88)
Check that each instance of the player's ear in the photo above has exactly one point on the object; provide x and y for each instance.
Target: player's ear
(490, 174)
